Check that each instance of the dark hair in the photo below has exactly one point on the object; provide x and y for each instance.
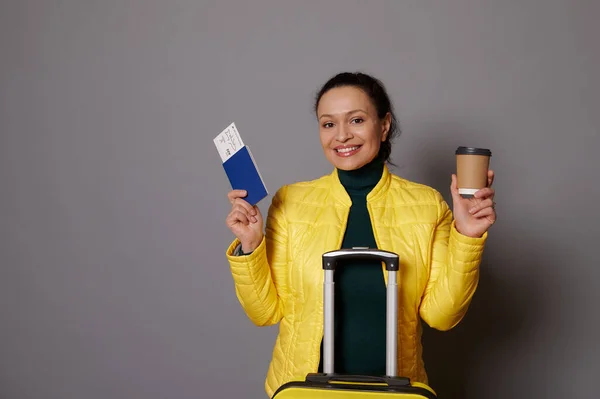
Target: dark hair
(378, 95)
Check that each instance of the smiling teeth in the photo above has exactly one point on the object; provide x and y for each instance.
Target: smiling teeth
(347, 149)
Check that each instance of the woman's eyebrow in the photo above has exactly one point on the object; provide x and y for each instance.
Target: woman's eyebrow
(347, 113)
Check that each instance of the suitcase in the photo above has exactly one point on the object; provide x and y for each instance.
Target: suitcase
(328, 384)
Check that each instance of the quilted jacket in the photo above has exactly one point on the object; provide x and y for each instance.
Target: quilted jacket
(282, 280)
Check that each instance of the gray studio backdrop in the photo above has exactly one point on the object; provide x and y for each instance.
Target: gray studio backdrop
(113, 280)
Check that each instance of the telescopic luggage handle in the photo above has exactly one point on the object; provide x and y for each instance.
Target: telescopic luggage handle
(392, 261)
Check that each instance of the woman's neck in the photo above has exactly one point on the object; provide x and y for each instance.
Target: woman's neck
(362, 180)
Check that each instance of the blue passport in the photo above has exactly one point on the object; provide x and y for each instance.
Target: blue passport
(243, 174)
(240, 166)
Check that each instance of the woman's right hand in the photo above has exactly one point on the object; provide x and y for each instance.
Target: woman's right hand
(245, 221)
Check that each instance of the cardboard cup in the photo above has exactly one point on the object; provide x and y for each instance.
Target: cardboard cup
(471, 169)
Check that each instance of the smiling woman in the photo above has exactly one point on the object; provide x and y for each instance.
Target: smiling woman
(277, 268)
(356, 120)
(351, 137)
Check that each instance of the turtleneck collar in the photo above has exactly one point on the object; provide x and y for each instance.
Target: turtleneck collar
(364, 179)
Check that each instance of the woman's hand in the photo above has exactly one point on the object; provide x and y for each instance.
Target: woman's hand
(474, 216)
(245, 221)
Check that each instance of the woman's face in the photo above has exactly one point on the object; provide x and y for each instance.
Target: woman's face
(350, 130)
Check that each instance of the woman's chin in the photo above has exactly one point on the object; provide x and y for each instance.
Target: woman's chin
(348, 164)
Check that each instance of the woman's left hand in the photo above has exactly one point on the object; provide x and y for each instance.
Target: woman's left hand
(474, 216)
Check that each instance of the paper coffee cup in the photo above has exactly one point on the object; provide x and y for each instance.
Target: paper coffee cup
(471, 169)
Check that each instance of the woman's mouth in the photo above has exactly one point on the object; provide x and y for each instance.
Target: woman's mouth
(347, 151)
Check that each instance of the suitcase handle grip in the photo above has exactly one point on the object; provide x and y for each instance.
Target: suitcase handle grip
(322, 378)
(390, 259)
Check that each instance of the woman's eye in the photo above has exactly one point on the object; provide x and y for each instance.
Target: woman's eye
(327, 124)
(357, 120)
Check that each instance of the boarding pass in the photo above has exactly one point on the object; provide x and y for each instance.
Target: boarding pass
(228, 142)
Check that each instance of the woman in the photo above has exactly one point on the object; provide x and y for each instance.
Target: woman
(278, 274)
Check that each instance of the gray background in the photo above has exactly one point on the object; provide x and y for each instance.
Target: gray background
(113, 280)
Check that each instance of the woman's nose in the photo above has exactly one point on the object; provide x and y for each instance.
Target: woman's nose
(343, 134)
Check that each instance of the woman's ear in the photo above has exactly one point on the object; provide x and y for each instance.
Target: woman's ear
(385, 125)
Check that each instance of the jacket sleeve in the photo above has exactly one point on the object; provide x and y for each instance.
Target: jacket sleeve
(454, 272)
(260, 277)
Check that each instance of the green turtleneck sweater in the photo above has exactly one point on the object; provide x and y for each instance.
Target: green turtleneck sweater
(360, 292)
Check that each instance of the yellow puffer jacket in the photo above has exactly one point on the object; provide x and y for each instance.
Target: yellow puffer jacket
(282, 280)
